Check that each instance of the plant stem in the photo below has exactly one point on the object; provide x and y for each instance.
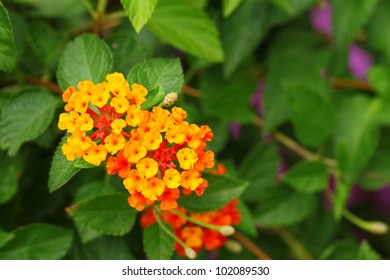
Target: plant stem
(195, 221)
(99, 16)
(47, 84)
(191, 91)
(295, 246)
(353, 84)
(251, 246)
(89, 7)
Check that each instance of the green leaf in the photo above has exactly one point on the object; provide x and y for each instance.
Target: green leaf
(139, 11)
(164, 72)
(366, 252)
(228, 99)
(25, 117)
(61, 169)
(37, 242)
(242, 32)
(229, 6)
(356, 134)
(82, 164)
(307, 176)
(220, 191)
(380, 37)
(7, 44)
(341, 195)
(379, 77)
(284, 5)
(188, 28)
(5, 237)
(348, 18)
(86, 58)
(55, 9)
(221, 130)
(341, 250)
(155, 96)
(8, 182)
(283, 207)
(109, 214)
(104, 248)
(158, 245)
(312, 114)
(260, 168)
(247, 225)
(46, 43)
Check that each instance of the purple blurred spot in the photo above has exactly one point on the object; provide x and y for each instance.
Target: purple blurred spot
(235, 130)
(256, 99)
(359, 61)
(321, 18)
(382, 200)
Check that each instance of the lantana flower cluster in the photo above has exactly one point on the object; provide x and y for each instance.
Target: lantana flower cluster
(192, 234)
(157, 153)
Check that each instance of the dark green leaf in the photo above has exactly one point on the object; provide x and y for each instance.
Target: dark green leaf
(155, 96)
(229, 6)
(307, 176)
(260, 168)
(284, 5)
(356, 134)
(86, 234)
(56, 9)
(348, 18)
(139, 11)
(221, 130)
(158, 245)
(366, 252)
(341, 250)
(311, 112)
(104, 248)
(242, 32)
(283, 207)
(228, 99)
(8, 182)
(164, 72)
(188, 28)
(109, 214)
(61, 169)
(86, 58)
(37, 242)
(25, 117)
(5, 237)
(220, 191)
(247, 225)
(7, 44)
(379, 77)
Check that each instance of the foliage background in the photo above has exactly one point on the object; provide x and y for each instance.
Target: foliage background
(292, 121)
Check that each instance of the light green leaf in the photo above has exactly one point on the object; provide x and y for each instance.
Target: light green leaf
(341, 195)
(188, 28)
(25, 117)
(356, 134)
(228, 99)
(283, 207)
(5, 237)
(379, 77)
(229, 6)
(366, 252)
(139, 11)
(104, 248)
(247, 225)
(260, 168)
(86, 58)
(220, 191)
(37, 242)
(307, 176)
(164, 72)
(312, 114)
(109, 214)
(348, 18)
(61, 169)
(8, 182)
(155, 96)
(242, 32)
(7, 44)
(158, 245)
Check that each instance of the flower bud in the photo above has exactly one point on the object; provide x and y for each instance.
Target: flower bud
(226, 230)
(190, 253)
(170, 99)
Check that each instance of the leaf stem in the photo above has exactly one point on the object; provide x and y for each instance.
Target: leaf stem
(46, 84)
(349, 83)
(99, 16)
(89, 7)
(195, 221)
(295, 246)
(252, 247)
